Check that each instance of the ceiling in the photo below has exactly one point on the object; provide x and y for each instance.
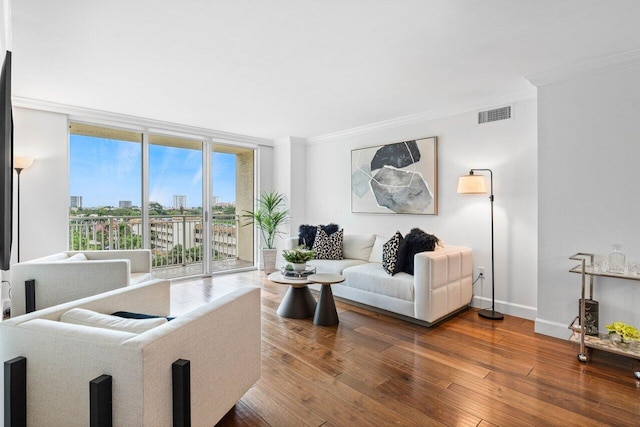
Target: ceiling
(301, 68)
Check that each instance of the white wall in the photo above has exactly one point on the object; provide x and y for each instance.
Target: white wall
(507, 147)
(5, 32)
(589, 149)
(44, 187)
(289, 179)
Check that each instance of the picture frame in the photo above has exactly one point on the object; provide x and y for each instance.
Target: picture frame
(396, 178)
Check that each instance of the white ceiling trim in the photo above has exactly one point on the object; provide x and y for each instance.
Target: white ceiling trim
(123, 120)
(587, 68)
(427, 115)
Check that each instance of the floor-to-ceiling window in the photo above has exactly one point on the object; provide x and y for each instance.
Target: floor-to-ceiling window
(178, 197)
(105, 185)
(232, 192)
(175, 204)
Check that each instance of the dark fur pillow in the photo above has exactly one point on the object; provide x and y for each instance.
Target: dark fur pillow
(307, 233)
(414, 242)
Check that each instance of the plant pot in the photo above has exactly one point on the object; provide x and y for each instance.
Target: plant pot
(269, 260)
(299, 267)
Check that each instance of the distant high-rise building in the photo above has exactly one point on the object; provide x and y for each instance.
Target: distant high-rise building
(76, 202)
(179, 202)
(124, 203)
(215, 200)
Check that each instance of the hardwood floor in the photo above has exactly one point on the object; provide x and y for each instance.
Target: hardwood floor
(376, 370)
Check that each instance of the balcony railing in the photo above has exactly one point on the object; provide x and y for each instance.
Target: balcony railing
(175, 239)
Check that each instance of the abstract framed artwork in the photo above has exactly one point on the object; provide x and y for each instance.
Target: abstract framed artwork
(398, 178)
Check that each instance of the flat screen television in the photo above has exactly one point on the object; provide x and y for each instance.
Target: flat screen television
(6, 162)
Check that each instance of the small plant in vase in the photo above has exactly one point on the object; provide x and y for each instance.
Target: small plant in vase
(298, 257)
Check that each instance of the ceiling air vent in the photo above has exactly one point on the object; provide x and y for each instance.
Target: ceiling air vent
(494, 115)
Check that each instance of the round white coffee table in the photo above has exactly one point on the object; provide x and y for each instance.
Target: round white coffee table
(298, 303)
(326, 313)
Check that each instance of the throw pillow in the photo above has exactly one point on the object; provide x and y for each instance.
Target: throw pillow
(355, 246)
(307, 233)
(80, 316)
(132, 315)
(416, 241)
(75, 258)
(376, 251)
(328, 246)
(390, 254)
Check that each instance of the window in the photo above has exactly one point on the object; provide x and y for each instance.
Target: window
(118, 204)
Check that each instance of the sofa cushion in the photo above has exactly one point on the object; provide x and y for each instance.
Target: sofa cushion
(80, 316)
(328, 246)
(75, 258)
(376, 250)
(333, 266)
(390, 254)
(356, 246)
(371, 277)
(307, 233)
(59, 256)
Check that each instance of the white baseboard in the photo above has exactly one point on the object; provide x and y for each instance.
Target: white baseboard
(552, 329)
(511, 309)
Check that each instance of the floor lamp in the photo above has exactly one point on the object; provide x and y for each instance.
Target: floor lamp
(19, 164)
(476, 184)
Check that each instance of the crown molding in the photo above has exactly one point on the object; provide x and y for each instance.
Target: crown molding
(138, 123)
(427, 115)
(586, 68)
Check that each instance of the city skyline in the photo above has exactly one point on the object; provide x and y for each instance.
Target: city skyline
(105, 171)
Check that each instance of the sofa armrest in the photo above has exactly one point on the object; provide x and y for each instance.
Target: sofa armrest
(442, 282)
(152, 297)
(222, 341)
(59, 282)
(140, 259)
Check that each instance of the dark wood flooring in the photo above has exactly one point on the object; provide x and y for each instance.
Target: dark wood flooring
(374, 370)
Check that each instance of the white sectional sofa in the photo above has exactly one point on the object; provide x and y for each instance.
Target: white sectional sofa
(221, 340)
(441, 284)
(70, 275)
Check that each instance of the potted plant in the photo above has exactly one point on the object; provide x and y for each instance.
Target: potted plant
(270, 213)
(298, 257)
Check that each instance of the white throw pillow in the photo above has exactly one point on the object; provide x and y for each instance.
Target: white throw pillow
(376, 251)
(80, 316)
(357, 246)
(74, 258)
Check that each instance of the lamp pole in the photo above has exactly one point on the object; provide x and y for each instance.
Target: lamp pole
(18, 170)
(19, 164)
(486, 313)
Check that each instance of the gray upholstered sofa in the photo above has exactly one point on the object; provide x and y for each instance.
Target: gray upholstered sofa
(221, 340)
(441, 284)
(70, 275)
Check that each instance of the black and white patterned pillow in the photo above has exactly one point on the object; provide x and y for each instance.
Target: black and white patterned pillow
(328, 246)
(390, 254)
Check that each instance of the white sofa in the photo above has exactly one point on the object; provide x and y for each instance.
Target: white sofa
(221, 340)
(441, 284)
(65, 276)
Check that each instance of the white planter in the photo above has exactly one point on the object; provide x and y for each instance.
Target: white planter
(269, 260)
(299, 267)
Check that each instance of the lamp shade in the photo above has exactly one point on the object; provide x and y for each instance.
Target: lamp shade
(472, 184)
(22, 162)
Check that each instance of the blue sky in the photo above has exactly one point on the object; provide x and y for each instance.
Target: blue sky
(105, 171)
